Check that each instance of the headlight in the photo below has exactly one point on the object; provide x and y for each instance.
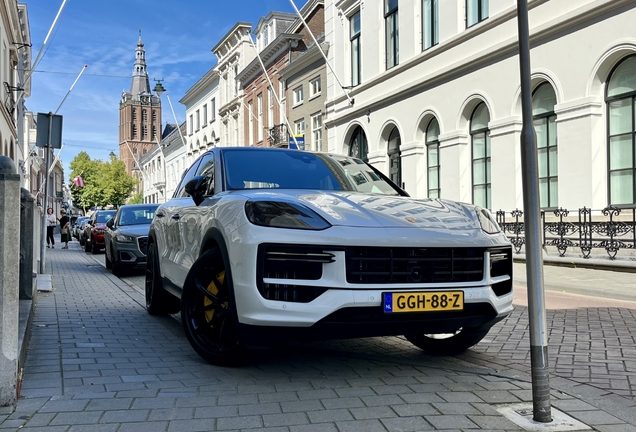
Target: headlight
(277, 214)
(124, 238)
(487, 221)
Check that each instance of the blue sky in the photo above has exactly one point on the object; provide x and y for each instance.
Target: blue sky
(178, 38)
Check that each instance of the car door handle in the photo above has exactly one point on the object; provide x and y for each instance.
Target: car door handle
(159, 214)
(176, 216)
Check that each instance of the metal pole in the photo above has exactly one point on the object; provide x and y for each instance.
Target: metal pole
(46, 196)
(534, 260)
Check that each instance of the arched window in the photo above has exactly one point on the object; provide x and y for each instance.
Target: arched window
(358, 147)
(395, 167)
(432, 158)
(621, 114)
(480, 143)
(544, 121)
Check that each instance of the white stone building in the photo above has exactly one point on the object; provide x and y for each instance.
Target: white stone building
(437, 106)
(234, 51)
(202, 114)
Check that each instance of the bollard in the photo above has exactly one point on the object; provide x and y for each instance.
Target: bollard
(26, 245)
(9, 280)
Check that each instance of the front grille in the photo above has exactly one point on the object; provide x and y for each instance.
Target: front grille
(293, 263)
(143, 244)
(379, 265)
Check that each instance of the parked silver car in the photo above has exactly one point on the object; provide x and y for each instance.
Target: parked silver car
(78, 226)
(126, 237)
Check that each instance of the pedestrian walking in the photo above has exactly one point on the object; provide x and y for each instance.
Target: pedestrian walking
(65, 228)
(51, 221)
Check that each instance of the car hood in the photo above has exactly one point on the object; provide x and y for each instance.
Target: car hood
(134, 230)
(382, 211)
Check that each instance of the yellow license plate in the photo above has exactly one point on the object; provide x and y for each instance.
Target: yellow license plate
(428, 301)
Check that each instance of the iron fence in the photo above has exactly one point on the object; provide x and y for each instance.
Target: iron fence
(611, 229)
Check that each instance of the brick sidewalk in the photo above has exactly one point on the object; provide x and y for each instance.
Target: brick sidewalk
(98, 362)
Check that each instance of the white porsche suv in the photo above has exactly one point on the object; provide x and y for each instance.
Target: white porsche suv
(258, 245)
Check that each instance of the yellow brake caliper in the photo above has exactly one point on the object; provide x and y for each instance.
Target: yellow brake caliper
(212, 288)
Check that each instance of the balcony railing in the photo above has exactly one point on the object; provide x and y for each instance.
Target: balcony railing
(611, 229)
(278, 137)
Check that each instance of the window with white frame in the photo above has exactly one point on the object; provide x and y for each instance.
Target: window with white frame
(298, 95)
(250, 113)
(299, 127)
(236, 131)
(314, 87)
(198, 118)
(620, 99)
(205, 114)
(430, 24)
(432, 159)
(270, 108)
(213, 109)
(476, 11)
(391, 29)
(191, 124)
(259, 125)
(545, 126)
(354, 39)
(316, 132)
(480, 138)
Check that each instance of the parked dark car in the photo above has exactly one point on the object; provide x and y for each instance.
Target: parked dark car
(94, 230)
(126, 237)
(258, 245)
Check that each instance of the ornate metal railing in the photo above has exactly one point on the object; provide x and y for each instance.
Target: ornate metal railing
(278, 136)
(611, 229)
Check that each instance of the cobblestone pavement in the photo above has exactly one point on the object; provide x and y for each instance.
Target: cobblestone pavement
(98, 362)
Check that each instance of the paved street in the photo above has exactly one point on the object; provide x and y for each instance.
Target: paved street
(97, 361)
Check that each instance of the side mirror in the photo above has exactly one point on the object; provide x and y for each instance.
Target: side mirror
(196, 188)
(111, 223)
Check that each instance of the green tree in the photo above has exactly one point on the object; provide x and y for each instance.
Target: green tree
(107, 183)
(116, 184)
(137, 198)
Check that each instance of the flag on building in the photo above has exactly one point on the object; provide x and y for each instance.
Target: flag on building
(78, 181)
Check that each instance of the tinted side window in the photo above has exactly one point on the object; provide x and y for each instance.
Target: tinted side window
(181, 193)
(206, 169)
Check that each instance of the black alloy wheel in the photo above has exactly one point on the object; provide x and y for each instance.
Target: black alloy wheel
(208, 312)
(448, 344)
(158, 300)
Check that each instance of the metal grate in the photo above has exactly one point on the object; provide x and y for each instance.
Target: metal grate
(378, 265)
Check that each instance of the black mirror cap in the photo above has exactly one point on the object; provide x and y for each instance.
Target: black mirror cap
(196, 188)
(110, 223)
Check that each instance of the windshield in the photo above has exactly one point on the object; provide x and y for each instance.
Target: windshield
(104, 216)
(137, 215)
(294, 169)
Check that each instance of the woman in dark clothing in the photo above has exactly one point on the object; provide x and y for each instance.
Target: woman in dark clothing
(65, 227)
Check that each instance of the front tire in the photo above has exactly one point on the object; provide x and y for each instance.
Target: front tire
(95, 247)
(109, 263)
(87, 246)
(158, 300)
(450, 344)
(208, 312)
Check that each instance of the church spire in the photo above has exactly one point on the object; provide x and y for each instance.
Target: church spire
(140, 82)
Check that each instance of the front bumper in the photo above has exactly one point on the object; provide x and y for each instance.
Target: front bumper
(348, 309)
(130, 254)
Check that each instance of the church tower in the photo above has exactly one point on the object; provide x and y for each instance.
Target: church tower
(139, 116)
